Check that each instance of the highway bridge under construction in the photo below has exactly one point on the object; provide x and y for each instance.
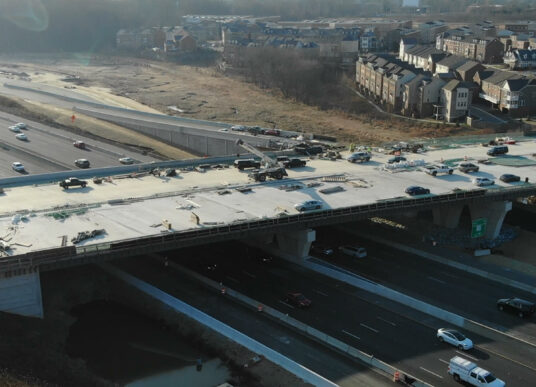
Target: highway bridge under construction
(45, 227)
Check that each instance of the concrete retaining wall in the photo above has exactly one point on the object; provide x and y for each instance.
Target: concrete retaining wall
(21, 295)
(227, 331)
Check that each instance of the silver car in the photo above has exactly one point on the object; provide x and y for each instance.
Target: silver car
(308, 205)
(455, 338)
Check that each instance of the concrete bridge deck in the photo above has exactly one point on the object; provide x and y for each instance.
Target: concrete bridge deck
(132, 208)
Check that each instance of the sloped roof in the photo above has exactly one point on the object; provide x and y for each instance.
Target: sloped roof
(409, 40)
(515, 84)
(452, 61)
(451, 85)
(468, 66)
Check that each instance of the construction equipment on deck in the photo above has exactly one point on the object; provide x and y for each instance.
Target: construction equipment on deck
(270, 167)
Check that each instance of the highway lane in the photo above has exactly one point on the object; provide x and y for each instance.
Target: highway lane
(444, 286)
(348, 314)
(327, 363)
(51, 149)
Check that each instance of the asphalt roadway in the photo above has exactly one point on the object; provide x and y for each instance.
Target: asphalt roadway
(391, 332)
(457, 291)
(50, 149)
(327, 363)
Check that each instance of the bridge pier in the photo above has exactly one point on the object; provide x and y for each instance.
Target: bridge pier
(494, 212)
(448, 216)
(21, 294)
(295, 245)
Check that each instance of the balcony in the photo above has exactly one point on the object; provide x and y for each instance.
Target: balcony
(512, 98)
(488, 97)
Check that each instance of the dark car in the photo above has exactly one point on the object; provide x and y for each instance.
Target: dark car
(416, 190)
(516, 305)
(72, 182)
(508, 178)
(321, 250)
(298, 300)
(497, 150)
(247, 163)
(468, 167)
(294, 163)
(272, 132)
(82, 163)
(396, 159)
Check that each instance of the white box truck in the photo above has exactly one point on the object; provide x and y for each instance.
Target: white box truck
(463, 370)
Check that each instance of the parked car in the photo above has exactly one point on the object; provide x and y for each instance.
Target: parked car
(416, 190)
(294, 163)
(435, 170)
(321, 250)
(455, 338)
(238, 128)
(508, 178)
(468, 167)
(482, 181)
(255, 130)
(126, 160)
(72, 182)
(82, 163)
(79, 144)
(353, 251)
(497, 150)
(298, 300)
(516, 305)
(308, 205)
(272, 132)
(14, 128)
(21, 136)
(359, 156)
(396, 159)
(16, 166)
(246, 163)
(223, 130)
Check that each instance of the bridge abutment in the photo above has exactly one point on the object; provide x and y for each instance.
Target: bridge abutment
(493, 212)
(21, 294)
(448, 216)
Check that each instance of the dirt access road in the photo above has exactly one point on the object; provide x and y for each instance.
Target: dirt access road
(204, 93)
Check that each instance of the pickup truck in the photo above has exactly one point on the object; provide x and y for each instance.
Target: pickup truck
(463, 370)
(434, 170)
(72, 182)
(294, 163)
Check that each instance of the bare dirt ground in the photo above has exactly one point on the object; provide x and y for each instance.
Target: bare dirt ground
(204, 93)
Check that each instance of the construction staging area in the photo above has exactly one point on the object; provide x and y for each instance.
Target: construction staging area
(35, 218)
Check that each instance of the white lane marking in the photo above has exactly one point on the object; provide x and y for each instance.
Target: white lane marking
(443, 361)
(233, 279)
(386, 321)
(366, 326)
(249, 274)
(321, 293)
(467, 355)
(451, 275)
(284, 303)
(350, 334)
(433, 373)
(435, 279)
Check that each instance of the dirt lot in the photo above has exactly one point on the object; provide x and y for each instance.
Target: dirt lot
(204, 93)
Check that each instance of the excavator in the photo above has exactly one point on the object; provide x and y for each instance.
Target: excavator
(270, 167)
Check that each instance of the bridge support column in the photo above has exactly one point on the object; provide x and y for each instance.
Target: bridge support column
(447, 216)
(295, 245)
(21, 294)
(494, 212)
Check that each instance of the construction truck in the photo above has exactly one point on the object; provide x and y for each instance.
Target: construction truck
(269, 167)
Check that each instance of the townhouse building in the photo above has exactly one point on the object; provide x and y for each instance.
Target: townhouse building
(485, 50)
(520, 59)
(449, 64)
(455, 99)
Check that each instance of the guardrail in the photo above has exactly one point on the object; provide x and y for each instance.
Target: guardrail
(40, 258)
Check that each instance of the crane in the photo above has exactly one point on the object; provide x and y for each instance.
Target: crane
(271, 167)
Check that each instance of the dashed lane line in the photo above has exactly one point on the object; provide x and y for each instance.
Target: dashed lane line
(351, 334)
(370, 328)
(430, 372)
